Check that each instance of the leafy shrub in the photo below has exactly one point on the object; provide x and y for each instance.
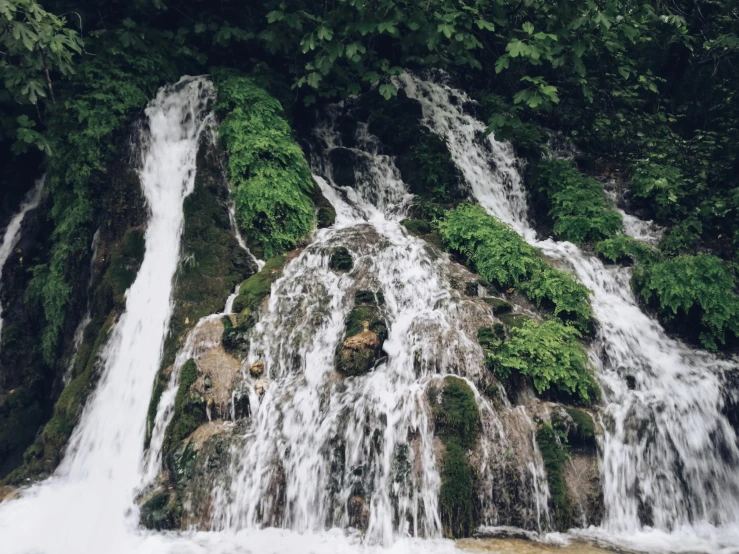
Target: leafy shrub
(266, 167)
(658, 188)
(550, 354)
(696, 296)
(502, 257)
(579, 208)
(622, 249)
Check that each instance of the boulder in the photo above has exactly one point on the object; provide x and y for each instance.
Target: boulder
(257, 369)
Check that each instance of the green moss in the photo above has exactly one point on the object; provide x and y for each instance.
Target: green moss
(500, 306)
(361, 315)
(555, 455)
(458, 418)
(458, 495)
(578, 206)
(694, 296)
(341, 260)
(583, 434)
(502, 257)
(514, 321)
(491, 338)
(457, 421)
(624, 250)
(160, 512)
(257, 287)
(417, 226)
(369, 297)
(266, 167)
(189, 409)
(550, 354)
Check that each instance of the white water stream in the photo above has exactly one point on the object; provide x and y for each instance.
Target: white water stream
(670, 462)
(13, 230)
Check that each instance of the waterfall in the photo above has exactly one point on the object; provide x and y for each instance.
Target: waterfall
(670, 462)
(88, 505)
(13, 230)
(318, 441)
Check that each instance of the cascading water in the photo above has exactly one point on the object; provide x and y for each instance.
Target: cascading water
(670, 462)
(13, 230)
(319, 442)
(88, 505)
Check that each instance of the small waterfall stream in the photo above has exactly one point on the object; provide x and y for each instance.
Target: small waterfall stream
(13, 230)
(88, 505)
(670, 459)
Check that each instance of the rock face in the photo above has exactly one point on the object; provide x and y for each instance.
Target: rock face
(365, 333)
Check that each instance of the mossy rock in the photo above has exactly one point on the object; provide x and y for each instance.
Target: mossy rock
(366, 331)
(235, 338)
(500, 306)
(369, 298)
(514, 321)
(555, 455)
(582, 433)
(457, 420)
(472, 288)
(490, 338)
(257, 287)
(417, 227)
(341, 260)
(189, 409)
(161, 512)
(325, 212)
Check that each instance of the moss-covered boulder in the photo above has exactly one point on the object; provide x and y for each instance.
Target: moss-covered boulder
(341, 260)
(189, 409)
(365, 333)
(161, 512)
(257, 287)
(325, 212)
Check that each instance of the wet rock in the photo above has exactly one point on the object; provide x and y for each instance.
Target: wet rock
(341, 260)
(257, 369)
(362, 347)
(343, 166)
(500, 307)
(325, 212)
(359, 353)
(631, 382)
(260, 387)
(358, 513)
(160, 512)
(417, 226)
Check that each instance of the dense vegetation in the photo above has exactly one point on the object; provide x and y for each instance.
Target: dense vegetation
(502, 257)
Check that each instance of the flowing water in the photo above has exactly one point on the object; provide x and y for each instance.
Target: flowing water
(321, 453)
(13, 230)
(88, 504)
(669, 459)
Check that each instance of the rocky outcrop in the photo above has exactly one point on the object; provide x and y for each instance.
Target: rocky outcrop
(365, 333)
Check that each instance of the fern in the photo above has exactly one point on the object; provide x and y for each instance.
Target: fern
(502, 257)
(266, 167)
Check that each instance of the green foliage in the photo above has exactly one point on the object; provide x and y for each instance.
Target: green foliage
(622, 249)
(583, 433)
(550, 354)
(35, 43)
(502, 257)
(660, 188)
(189, 409)
(555, 455)
(267, 169)
(696, 296)
(578, 206)
(348, 44)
